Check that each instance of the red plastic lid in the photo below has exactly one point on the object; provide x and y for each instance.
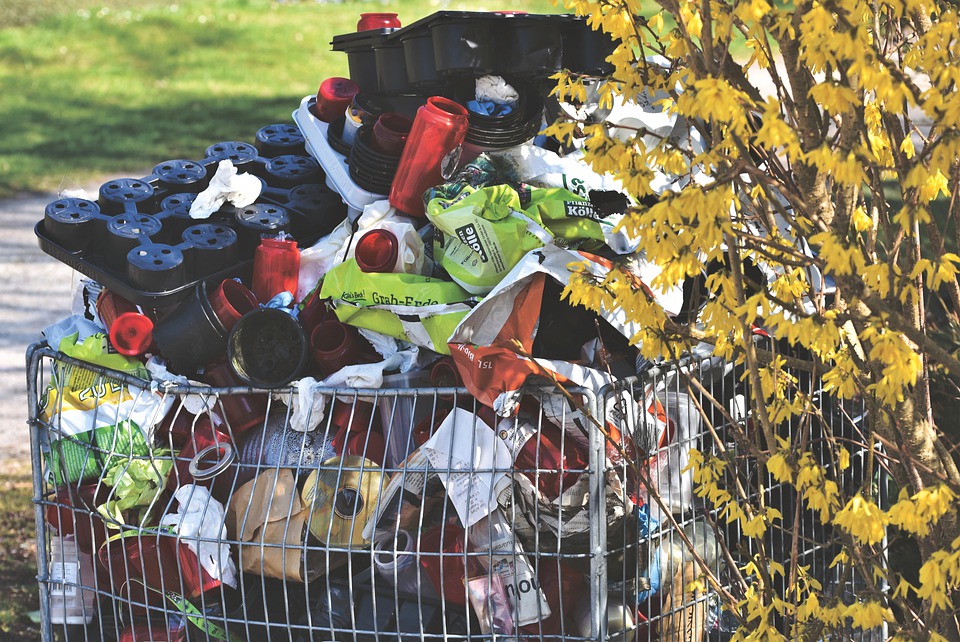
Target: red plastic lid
(284, 244)
(377, 251)
(131, 334)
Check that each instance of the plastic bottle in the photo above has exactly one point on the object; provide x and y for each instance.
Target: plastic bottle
(439, 127)
(70, 569)
(508, 561)
(276, 267)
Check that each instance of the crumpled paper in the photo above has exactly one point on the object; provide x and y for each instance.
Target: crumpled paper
(226, 185)
(497, 90)
(192, 403)
(265, 513)
(200, 525)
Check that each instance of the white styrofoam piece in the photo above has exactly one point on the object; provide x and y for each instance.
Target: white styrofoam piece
(334, 165)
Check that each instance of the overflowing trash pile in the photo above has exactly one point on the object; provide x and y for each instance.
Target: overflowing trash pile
(319, 386)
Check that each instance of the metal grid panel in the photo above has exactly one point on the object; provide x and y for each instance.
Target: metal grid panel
(344, 548)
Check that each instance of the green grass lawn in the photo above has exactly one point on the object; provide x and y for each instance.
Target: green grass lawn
(18, 569)
(91, 88)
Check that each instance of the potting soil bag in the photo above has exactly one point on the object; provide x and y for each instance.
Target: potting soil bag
(493, 346)
(573, 220)
(414, 308)
(483, 235)
(97, 420)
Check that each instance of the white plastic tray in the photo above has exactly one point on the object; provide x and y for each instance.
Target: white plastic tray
(334, 165)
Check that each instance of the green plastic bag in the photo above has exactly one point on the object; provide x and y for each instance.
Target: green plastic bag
(483, 236)
(571, 219)
(95, 420)
(414, 308)
(84, 456)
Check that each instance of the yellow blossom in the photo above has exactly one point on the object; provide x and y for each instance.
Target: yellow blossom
(863, 520)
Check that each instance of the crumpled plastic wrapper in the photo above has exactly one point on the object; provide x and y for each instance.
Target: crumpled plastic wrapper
(309, 407)
(226, 185)
(202, 516)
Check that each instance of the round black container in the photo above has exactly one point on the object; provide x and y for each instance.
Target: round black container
(290, 170)
(181, 175)
(191, 336)
(239, 154)
(371, 170)
(280, 140)
(154, 267)
(212, 248)
(419, 60)
(72, 223)
(489, 132)
(391, 68)
(360, 57)
(125, 194)
(335, 137)
(267, 348)
(529, 46)
(175, 210)
(585, 50)
(125, 232)
(463, 45)
(311, 197)
(258, 219)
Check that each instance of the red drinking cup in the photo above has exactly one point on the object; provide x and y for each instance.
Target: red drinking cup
(390, 133)
(441, 557)
(333, 97)
(334, 346)
(74, 512)
(231, 300)
(242, 412)
(204, 460)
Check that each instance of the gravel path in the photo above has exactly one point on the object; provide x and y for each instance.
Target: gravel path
(36, 290)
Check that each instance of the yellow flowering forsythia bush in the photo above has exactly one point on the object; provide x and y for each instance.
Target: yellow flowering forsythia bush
(828, 129)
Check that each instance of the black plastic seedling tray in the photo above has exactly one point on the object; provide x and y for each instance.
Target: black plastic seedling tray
(138, 240)
(434, 51)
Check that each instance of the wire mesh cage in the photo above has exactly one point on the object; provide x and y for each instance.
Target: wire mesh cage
(184, 512)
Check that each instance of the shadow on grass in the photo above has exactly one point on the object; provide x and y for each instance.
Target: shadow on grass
(18, 572)
(100, 138)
